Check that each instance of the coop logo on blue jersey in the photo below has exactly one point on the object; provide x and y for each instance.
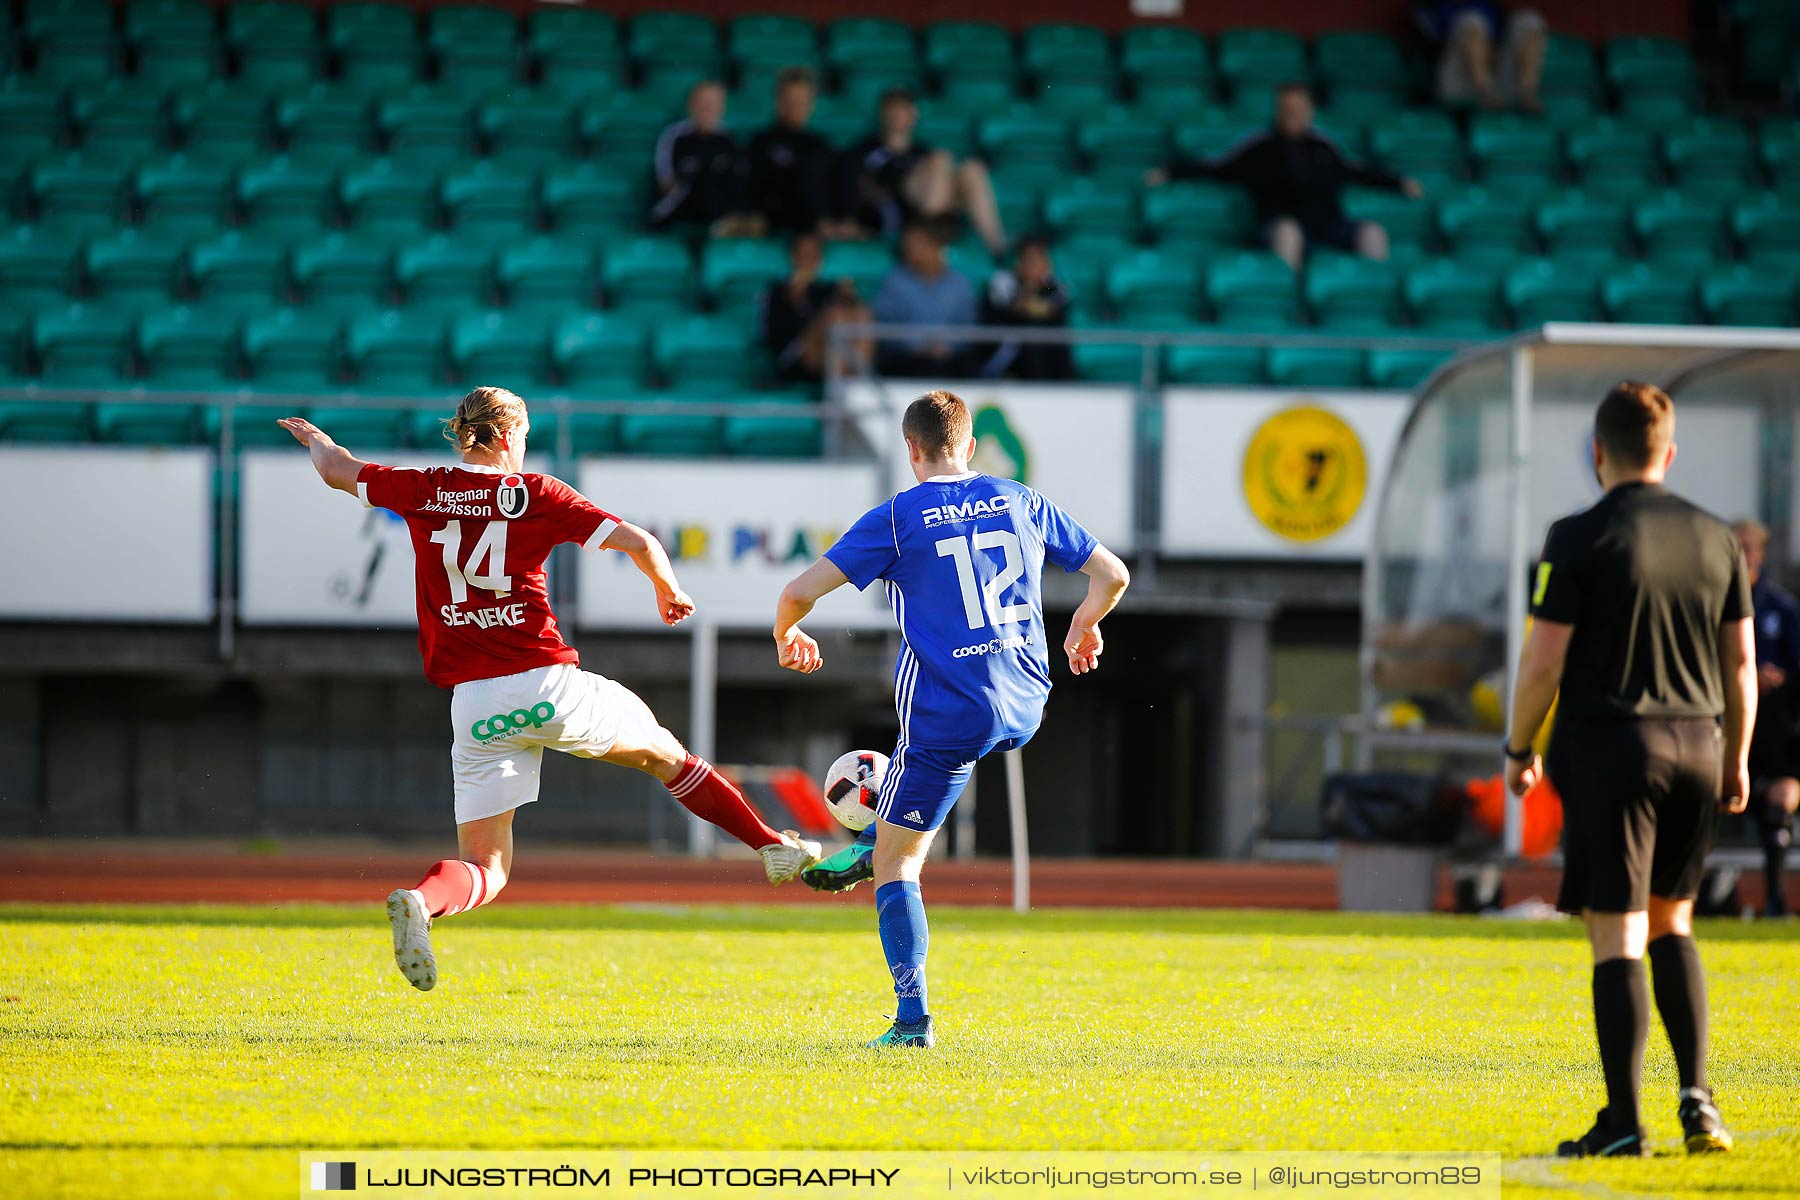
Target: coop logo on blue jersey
(968, 510)
(993, 646)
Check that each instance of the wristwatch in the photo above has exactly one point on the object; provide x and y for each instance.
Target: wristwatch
(1518, 756)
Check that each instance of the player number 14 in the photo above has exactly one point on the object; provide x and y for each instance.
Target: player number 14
(981, 602)
(490, 548)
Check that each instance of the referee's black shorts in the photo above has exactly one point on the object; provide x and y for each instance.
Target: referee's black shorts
(1640, 803)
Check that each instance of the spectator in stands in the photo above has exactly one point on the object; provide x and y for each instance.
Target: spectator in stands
(701, 171)
(1774, 771)
(792, 169)
(798, 312)
(896, 179)
(1030, 294)
(1470, 70)
(924, 289)
(1295, 176)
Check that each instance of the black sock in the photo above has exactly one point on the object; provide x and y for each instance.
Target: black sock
(1622, 1021)
(1681, 999)
(1775, 848)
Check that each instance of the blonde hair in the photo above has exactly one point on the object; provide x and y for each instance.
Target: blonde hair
(482, 416)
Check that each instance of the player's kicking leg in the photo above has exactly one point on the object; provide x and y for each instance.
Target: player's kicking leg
(845, 869)
(451, 886)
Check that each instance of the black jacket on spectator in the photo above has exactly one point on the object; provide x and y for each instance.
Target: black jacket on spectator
(784, 320)
(1301, 177)
(792, 178)
(700, 176)
(1048, 308)
(875, 174)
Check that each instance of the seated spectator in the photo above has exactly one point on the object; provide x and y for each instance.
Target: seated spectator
(1469, 69)
(792, 185)
(1029, 294)
(1295, 176)
(798, 312)
(924, 289)
(897, 179)
(700, 171)
(1774, 766)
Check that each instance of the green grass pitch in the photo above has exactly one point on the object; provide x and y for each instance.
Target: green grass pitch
(195, 1051)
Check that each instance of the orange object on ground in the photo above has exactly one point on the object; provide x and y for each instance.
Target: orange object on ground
(1543, 812)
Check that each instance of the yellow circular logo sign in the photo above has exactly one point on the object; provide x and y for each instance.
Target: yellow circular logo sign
(1305, 474)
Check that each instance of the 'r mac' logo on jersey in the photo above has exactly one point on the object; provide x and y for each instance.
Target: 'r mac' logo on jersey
(511, 497)
(968, 510)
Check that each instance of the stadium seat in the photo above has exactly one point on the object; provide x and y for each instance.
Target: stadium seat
(704, 354)
(527, 129)
(1767, 226)
(945, 126)
(1613, 157)
(324, 122)
(1264, 57)
(1351, 294)
(133, 269)
(1777, 146)
(865, 264)
(1091, 206)
(72, 43)
(1453, 298)
(598, 355)
(1153, 284)
(1420, 142)
(397, 350)
(1647, 294)
(735, 271)
(621, 130)
(82, 345)
(1677, 229)
(426, 126)
(672, 434)
(1071, 68)
(1173, 99)
(1712, 155)
(221, 121)
(800, 435)
(1403, 369)
(1315, 366)
(490, 200)
(172, 41)
(648, 274)
(1022, 135)
(1741, 294)
(118, 121)
(366, 423)
(1215, 366)
(1652, 78)
(1538, 290)
(292, 350)
(376, 44)
(137, 423)
(1360, 72)
(252, 424)
(385, 198)
(1109, 362)
(38, 269)
(343, 272)
(500, 347)
(1578, 227)
(187, 347)
(1514, 153)
(31, 118)
(1121, 143)
(1170, 69)
(1409, 223)
(1252, 290)
(275, 42)
(593, 433)
(36, 421)
(1570, 85)
(588, 200)
(178, 197)
(78, 194)
(771, 39)
(1481, 226)
(475, 46)
(283, 197)
(577, 50)
(1019, 193)
(446, 273)
(1198, 216)
(970, 60)
(240, 269)
(547, 274)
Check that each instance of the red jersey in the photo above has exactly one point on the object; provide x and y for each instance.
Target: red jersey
(480, 537)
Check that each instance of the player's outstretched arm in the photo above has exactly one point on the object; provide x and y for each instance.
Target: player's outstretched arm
(672, 604)
(335, 465)
(795, 649)
(1107, 580)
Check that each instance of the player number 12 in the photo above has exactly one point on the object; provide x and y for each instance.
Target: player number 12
(981, 604)
(490, 547)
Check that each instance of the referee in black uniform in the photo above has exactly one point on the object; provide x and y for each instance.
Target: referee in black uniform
(1642, 616)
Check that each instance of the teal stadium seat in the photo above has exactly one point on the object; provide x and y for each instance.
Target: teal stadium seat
(946, 126)
(1260, 57)
(1121, 143)
(293, 351)
(366, 423)
(222, 121)
(38, 421)
(1613, 157)
(82, 345)
(527, 129)
(1777, 147)
(1646, 294)
(445, 273)
(1086, 206)
(240, 269)
(764, 39)
(1420, 142)
(78, 194)
(1351, 294)
(705, 354)
(376, 44)
(648, 274)
(621, 129)
(1767, 226)
(1514, 153)
(1741, 294)
(1653, 79)
(547, 274)
(1453, 298)
(396, 351)
(577, 50)
(491, 201)
(588, 200)
(133, 269)
(1109, 362)
(327, 123)
(1315, 367)
(252, 425)
(971, 61)
(1712, 155)
(1360, 72)
(864, 264)
(137, 423)
(426, 126)
(1215, 366)
(72, 41)
(474, 45)
(1252, 290)
(1570, 85)
(1170, 69)
(31, 118)
(284, 197)
(501, 348)
(386, 198)
(1197, 217)
(1479, 225)
(601, 356)
(675, 435)
(800, 435)
(119, 121)
(39, 268)
(594, 433)
(1679, 229)
(734, 272)
(1399, 369)
(343, 272)
(189, 347)
(1019, 193)
(1538, 290)
(1152, 285)
(276, 42)
(1578, 227)
(172, 41)
(178, 197)
(1022, 134)
(869, 55)
(1071, 67)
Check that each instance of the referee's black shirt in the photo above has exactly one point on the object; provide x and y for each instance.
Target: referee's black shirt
(1647, 580)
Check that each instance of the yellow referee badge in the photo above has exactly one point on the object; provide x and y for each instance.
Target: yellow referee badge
(1543, 584)
(1305, 473)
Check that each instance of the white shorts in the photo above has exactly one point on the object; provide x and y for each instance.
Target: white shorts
(502, 726)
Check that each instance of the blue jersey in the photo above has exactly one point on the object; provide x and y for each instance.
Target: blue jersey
(962, 557)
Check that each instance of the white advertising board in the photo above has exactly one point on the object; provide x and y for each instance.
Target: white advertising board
(108, 533)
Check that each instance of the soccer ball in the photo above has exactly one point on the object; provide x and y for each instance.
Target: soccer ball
(852, 786)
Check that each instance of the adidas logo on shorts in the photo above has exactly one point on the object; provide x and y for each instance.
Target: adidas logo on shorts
(914, 815)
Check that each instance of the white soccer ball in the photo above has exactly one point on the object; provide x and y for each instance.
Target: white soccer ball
(853, 785)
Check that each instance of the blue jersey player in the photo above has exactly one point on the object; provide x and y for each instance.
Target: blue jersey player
(960, 555)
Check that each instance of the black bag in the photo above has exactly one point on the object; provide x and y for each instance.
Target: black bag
(1391, 806)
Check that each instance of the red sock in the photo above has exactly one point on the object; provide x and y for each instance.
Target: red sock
(711, 797)
(454, 886)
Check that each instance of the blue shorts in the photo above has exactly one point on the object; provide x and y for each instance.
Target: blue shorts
(922, 784)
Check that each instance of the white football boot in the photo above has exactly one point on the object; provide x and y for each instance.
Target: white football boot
(787, 858)
(412, 938)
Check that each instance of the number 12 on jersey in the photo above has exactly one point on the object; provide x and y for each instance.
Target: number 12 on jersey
(981, 602)
(490, 547)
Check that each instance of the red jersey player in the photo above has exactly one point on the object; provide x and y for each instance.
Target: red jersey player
(481, 532)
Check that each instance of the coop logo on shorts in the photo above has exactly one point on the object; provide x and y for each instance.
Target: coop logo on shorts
(501, 724)
(1305, 474)
(334, 1177)
(511, 497)
(1016, 642)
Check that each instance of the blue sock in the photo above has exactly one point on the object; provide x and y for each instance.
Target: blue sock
(900, 914)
